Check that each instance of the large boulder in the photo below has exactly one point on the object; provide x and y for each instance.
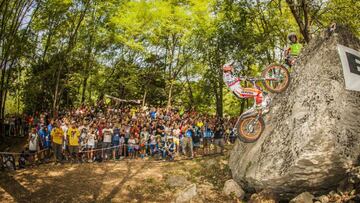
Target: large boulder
(312, 132)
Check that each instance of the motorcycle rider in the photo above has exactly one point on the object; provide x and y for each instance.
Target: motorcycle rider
(262, 101)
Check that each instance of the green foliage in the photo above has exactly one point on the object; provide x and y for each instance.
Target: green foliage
(167, 52)
(343, 12)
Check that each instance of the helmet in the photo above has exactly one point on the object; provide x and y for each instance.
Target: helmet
(227, 68)
(292, 34)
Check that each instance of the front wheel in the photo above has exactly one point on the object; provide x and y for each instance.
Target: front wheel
(250, 129)
(277, 78)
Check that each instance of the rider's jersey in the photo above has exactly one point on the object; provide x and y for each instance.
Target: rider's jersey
(230, 79)
(295, 49)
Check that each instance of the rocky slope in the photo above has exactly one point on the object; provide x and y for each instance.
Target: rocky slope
(312, 133)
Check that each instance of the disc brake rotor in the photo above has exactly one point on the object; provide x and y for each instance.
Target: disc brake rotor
(250, 127)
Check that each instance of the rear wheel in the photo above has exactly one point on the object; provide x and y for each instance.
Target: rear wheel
(277, 78)
(250, 129)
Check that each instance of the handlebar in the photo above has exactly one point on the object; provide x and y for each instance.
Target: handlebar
(244, 78)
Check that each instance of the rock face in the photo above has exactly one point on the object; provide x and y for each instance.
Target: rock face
(312, 132)
(187, 194)
(231, 187)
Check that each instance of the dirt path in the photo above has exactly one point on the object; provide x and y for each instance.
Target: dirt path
(120, 181)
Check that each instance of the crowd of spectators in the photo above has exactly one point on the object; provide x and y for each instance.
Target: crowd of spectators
(88, 134)
(14, 125)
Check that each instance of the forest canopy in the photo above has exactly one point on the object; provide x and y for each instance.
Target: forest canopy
(59, 54)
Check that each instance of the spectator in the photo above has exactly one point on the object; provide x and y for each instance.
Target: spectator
(131, 147)
(65, 143)
(22, 160)
(57, 135)
(50, 126)
(127, 133)
(115, 142)
(33, 145)
(208, 134)
(196, 139)
(91, 139)
(152, 144)
(73, 136)
(83, 140)
(171, 149)
(46, 142)
(159, 146)
(188, 141)
(99, 137)
(176, 136)
(144, 138)
(143, 145)
(153, 114)
(160, 129)
(108, 132)
(122, 143)
(219, 138)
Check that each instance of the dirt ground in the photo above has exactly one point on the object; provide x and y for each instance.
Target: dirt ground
(118, 181)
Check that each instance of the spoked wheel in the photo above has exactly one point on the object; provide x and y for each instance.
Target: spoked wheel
(249, 129)
(277, 78)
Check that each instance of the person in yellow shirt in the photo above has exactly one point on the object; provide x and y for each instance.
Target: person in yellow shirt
(200, 124)
(73, 135)
(57, 140)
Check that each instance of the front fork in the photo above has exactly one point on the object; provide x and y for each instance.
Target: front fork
(250, 126)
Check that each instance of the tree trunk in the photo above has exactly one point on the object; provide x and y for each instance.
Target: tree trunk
(83, 96)
(4, 87)
(301, 15)
(3, 73)
(90, 94)
(170, 95)
(218, 98)
(56, 93)
(3, 101)
(191, 96)
(219, 105)
(144, 98)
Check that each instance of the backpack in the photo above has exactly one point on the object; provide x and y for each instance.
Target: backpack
(98, 157)
(196, 138)
(9, 162)
(22, 161)
(116, 135)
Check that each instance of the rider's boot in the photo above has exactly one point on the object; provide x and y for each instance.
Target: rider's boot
(265, 105)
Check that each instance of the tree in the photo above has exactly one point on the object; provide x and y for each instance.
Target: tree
(59, 54)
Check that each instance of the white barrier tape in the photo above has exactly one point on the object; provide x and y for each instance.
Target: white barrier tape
(94, 150)
(118, 146)
(18, 153)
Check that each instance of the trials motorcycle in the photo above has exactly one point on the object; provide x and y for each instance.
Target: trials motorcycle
(250, 125)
